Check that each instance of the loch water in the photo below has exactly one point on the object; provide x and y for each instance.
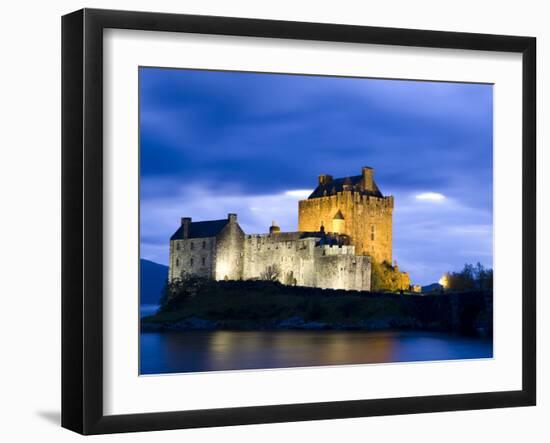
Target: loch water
(199, 351)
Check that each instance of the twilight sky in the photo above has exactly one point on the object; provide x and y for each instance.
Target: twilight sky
(254, 144)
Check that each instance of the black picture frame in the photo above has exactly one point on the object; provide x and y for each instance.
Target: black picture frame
(82, 217)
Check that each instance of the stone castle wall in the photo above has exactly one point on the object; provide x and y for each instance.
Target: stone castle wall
(337, 270)
(192, 256)
(303, 262)
(299, 261)
(367, 220)
(293, 258)
(349, 213)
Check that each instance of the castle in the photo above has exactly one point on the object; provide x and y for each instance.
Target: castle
(343, 226)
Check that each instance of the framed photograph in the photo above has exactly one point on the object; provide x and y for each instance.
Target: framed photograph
(269, 221)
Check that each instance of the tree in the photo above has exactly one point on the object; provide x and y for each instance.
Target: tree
(483, 277)
(271, 273)
(463, 280)
(180, 289)
(385, 277)
(471, 278)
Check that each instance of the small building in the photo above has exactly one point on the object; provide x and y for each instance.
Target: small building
(211, 249)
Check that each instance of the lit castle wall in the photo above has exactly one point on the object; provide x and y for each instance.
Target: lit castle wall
(353, 206)
(343, 225)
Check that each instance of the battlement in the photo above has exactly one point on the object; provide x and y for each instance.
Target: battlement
(356, 197)
(336, 249)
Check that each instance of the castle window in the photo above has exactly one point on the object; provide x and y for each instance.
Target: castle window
(372, 232)
(191, 262)
(203, 245)
(192, 246)
(177, 262)
(178, 246)
(203, 261)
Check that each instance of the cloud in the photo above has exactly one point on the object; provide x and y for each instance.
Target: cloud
(300, 193)
(218, 142)
(269, 133)
(160, 215)
(430, 196)
(431, 239)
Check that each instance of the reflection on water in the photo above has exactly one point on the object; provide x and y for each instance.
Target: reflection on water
(195, 351)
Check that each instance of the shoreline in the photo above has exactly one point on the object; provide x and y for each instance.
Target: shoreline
(263, 306)
(299, 324)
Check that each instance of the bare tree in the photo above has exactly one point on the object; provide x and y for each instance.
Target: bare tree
(270, 273)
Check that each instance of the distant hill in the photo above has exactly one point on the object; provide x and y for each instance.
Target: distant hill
(153, 276)
(431, 288)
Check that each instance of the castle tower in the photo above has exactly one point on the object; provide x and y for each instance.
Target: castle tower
(338, 223)
(353, 206)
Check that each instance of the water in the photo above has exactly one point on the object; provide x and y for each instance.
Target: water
(197, 351)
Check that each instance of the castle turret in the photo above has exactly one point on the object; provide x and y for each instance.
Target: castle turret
(338, 223)
(274, 228)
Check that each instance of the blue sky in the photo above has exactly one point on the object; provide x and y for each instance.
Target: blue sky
(218, 142)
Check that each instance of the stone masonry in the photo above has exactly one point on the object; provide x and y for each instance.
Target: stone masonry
(342, 226)
(353, 206)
